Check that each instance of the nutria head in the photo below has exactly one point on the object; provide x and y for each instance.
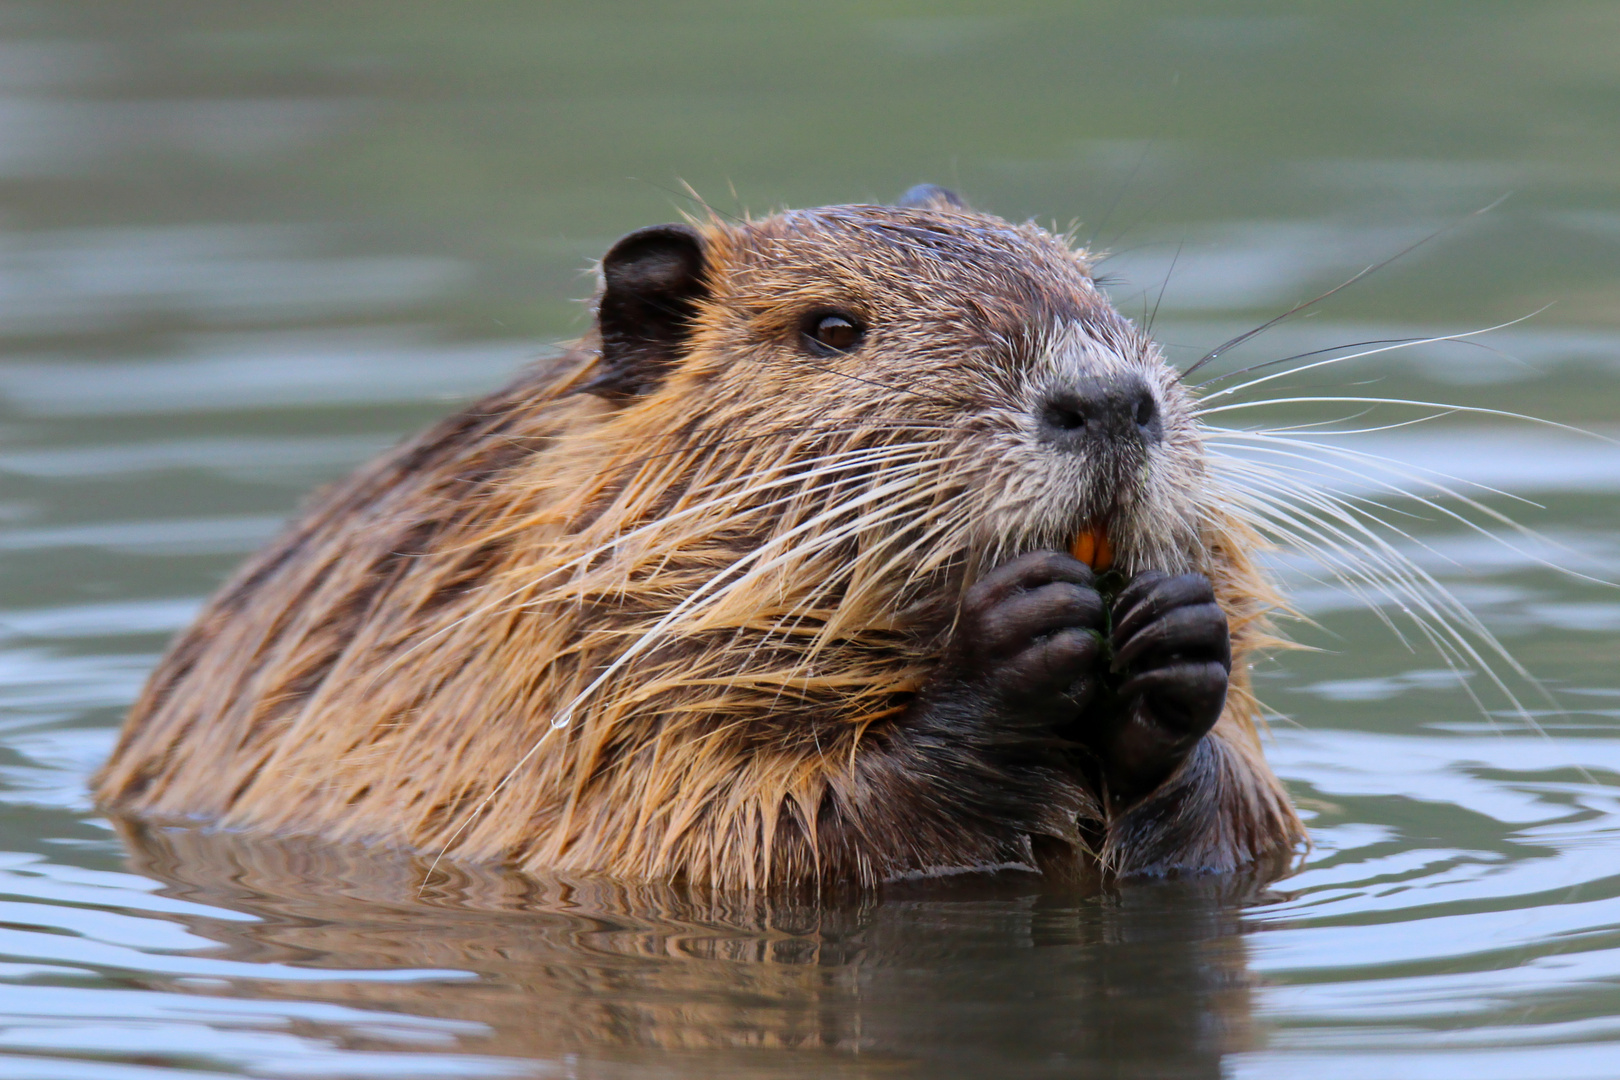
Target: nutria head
(1045, 413)
(712, 597)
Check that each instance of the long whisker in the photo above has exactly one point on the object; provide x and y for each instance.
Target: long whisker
(1416, 340)
(1257, 442)
(1349, 523)
(951, 522)
(1272, 519)
(1261, 441)
(1297, 308)
(1321, 428)
(1240, 387)
(1147, 324)
(656, 632)
(1396, 578)
(1395, 570)
(863, 427)
(1472, 410)
(493, 606)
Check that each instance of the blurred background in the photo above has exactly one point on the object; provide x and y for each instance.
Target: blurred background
(244, 245)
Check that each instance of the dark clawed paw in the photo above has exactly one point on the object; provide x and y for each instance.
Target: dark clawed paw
(1038, 658)
(1172, 653)
(1030, 639)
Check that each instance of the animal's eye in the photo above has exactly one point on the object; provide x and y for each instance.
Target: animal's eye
(835, 331)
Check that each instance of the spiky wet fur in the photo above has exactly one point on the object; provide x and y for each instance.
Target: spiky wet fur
(675, 637)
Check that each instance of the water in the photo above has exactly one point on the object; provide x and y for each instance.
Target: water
(243, 246)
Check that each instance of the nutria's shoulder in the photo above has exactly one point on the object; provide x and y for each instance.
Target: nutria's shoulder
(772, 579)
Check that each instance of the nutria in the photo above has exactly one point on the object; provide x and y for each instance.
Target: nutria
(852, 544)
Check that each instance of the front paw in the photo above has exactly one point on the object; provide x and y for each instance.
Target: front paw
(1172, 655)
(1030, 641)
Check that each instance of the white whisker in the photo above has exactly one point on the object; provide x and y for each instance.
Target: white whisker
(657, 632)
(1472, 410)
(1416, 474)
(492, 607)
(1393, 347)
(1342, 536)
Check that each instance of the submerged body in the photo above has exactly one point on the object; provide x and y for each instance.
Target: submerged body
(780, 577)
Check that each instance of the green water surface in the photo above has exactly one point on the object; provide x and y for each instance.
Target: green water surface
(244, 244)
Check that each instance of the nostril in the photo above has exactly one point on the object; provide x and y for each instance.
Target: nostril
(1145, 408)
(1062, 417)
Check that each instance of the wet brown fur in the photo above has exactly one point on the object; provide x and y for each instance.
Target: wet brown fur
(434, 655)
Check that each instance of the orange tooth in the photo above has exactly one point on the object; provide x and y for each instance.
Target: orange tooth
(1092, 548)
(1085, 547)
(1105, 553)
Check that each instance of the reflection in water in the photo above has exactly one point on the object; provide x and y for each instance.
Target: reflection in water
(947, 976)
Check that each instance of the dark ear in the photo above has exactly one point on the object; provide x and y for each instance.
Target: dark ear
(653, 279)
(931, 197)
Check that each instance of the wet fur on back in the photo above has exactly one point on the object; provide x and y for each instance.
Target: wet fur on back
(666, 624)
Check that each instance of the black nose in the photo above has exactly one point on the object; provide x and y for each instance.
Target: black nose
(1099, 409)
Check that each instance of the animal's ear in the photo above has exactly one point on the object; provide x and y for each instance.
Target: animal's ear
(652, 282)
(931, 197)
